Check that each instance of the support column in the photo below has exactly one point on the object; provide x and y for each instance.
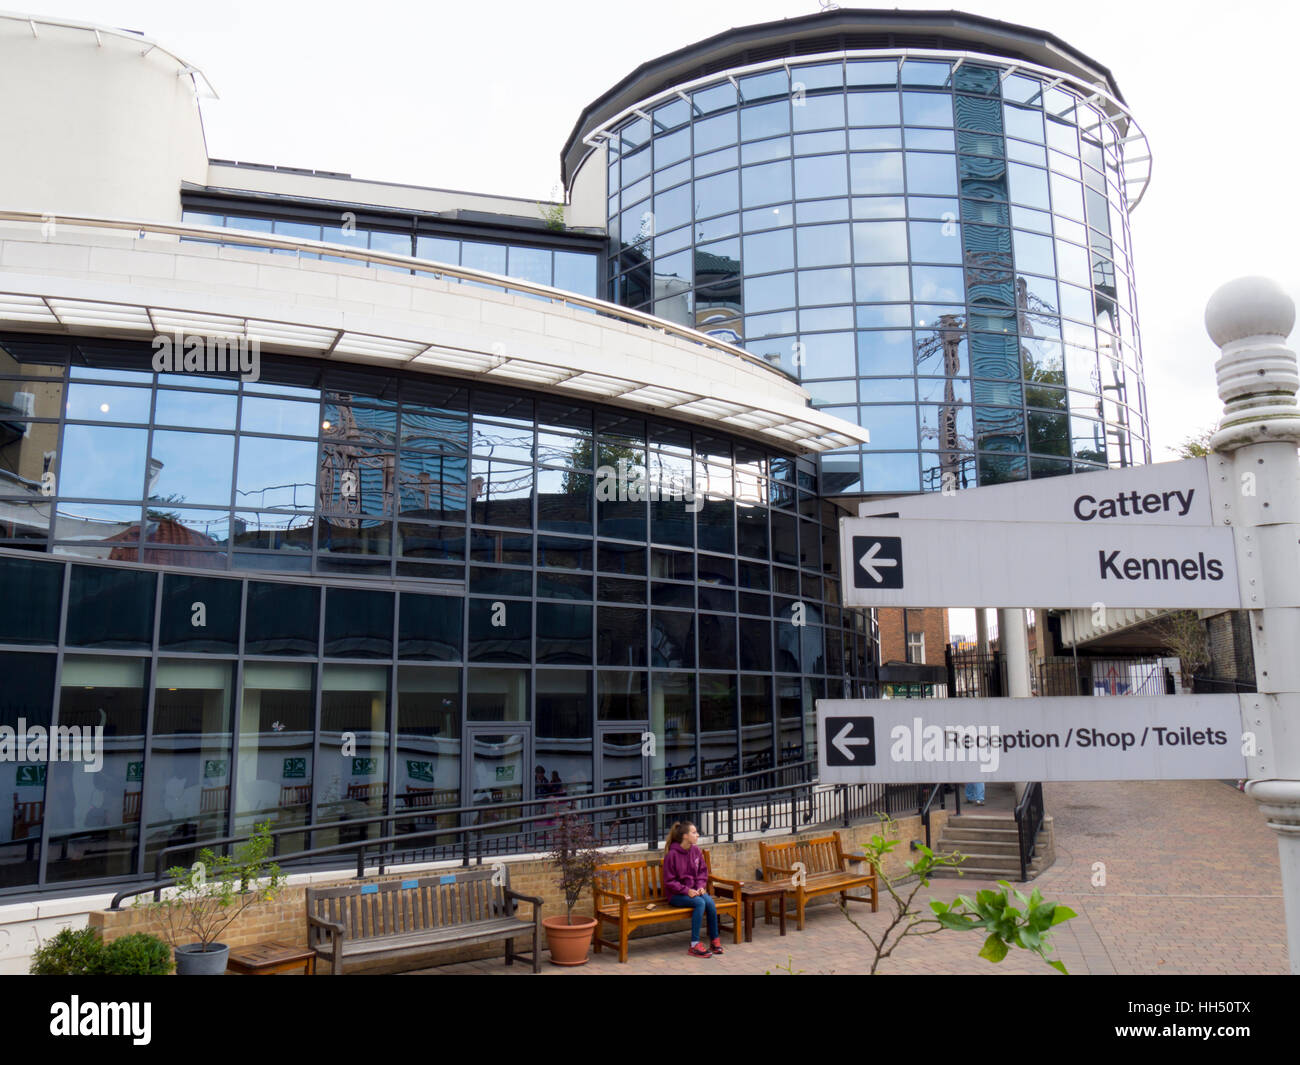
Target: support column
(1013, 641)
(1258, 479)
(982, 631)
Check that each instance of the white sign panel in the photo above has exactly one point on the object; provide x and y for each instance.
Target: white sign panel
(1166, 493)
(902, 562)
(1078, 737)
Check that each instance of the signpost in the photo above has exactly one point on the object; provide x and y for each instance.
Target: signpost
(1216, 532)
(1076, 737)
(904, 562)
(1165, 493)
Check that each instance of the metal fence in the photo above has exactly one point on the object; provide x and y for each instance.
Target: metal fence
(1105, 675)
(975, 675)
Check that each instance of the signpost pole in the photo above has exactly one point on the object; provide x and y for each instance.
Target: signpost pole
(1255, 455)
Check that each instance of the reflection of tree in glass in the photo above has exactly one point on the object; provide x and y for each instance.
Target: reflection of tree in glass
(956, 469)
(347, 457)
(579, 461)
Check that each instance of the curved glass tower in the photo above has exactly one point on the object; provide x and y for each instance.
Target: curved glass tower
(922, 217)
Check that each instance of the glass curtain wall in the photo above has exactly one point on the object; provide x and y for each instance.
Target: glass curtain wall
(939, 252)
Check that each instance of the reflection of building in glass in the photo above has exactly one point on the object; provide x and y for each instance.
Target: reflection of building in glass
(924, 218)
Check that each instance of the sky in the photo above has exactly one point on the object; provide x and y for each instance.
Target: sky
(483, 96)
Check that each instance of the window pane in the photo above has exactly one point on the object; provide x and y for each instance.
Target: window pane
(428, 743)
(94, 817)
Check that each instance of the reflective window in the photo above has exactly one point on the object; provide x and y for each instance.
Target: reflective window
(927, 109)
(823, 175)
(94, 817)
(879, 242)
(876, 172)
(768, 183)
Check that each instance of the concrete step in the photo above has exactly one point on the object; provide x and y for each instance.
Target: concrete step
(966, 832)
(979, 846)
(975, 872)
(987, 858)
(982, 821)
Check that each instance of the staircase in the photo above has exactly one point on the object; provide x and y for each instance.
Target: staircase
(992, 847)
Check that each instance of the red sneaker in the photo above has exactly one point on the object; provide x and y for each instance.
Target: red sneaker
(699, 950)
(716, 946)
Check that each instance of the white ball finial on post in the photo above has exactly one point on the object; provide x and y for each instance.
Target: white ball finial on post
(1250, 319)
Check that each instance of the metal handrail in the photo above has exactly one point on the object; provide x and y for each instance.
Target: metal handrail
(222, 234)
(1030, 811)
(804, 769)
(471, 837)
(937, 792)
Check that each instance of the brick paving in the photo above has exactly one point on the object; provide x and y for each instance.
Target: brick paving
(1192, 886)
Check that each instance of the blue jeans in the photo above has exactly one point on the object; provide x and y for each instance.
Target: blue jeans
(699, 906)
(975, 792)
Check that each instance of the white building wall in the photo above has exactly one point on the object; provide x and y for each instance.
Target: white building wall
(96, 126)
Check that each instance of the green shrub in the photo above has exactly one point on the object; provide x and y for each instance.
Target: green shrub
(73, 952)
(138, 954)
(82, 952)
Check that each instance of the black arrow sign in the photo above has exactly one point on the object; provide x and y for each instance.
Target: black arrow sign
(877, 562)
(850, 741)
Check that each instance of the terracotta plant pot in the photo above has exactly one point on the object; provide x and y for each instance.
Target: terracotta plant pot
(569, 943)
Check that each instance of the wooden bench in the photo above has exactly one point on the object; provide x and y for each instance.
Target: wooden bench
(825, 870)
(631, 894)
(359, 922)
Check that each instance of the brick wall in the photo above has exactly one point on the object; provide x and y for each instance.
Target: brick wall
(284, 917)
(932, 621)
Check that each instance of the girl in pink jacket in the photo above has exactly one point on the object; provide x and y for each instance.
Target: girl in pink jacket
(686, 881)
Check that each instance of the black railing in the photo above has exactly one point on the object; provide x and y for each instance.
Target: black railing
(721, 808)
(1029, 821)
(975, 675)
(937, 794)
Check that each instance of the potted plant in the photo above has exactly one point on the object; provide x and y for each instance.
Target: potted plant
(575, 850)
(208, 897)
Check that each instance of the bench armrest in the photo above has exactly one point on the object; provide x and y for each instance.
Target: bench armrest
(778, 869)
(516, 896)
(333, 927)
(731, 885)
(855, 858)
(597, 893)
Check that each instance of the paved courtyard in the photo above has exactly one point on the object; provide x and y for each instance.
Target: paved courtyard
(1192, 886)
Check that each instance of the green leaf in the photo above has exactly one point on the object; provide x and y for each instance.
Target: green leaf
(1029, 939)
(956, 922)
(994, 949)
(1062, 913)
(1059, 966)
(939, 907)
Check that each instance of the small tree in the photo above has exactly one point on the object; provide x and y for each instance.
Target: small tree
(575, 849)
(991, 910)
(1196, 446)
(216, 889)
(1183, 635)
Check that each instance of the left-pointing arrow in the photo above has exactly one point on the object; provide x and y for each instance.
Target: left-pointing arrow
(870, 562)
(841, 742)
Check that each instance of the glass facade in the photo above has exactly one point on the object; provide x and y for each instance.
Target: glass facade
(564, 268)
(939, 251)
(339, 591)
